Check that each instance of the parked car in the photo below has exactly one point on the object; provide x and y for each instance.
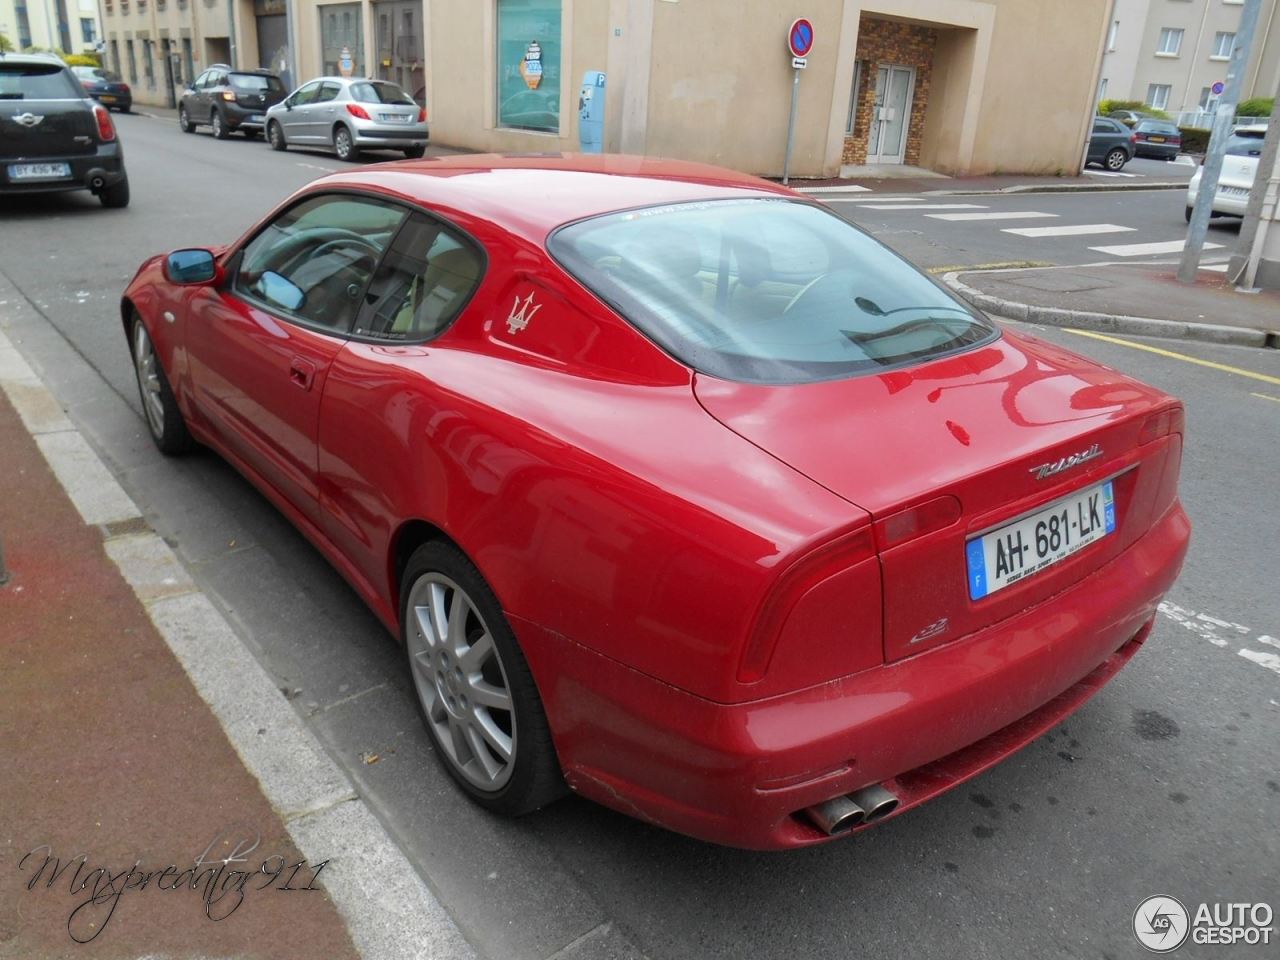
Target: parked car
(1111, 144)
(1128, 117)
(1235, 182)
(229, 100)
(53, 136)
(348, 115)
(679, 490)
(105, 87)
(1160, 139)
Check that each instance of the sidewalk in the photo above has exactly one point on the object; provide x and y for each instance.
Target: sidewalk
(1144, 299)
(161, 797)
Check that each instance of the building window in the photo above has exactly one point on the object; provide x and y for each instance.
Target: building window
(1158, 95)
(187, 61)
(529, 64)
(147, 69)
(24, 26)
(115, 63)
(1222, 44)
(1170, 42)
(341, 40)
(1208, 100)
(87, 32)
(852, 122)
(133, 62)
(1102, 90)
(1112, 33)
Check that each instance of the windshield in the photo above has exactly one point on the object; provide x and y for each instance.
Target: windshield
(37, 81)
(1243, 145)
(765, 290)
(256, 83)
(379, 93)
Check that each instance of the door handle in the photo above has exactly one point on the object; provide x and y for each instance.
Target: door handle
(302, 372)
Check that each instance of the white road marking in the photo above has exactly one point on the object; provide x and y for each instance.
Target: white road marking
(1213, 629)
(1146, 249)
(1216, 267)
(924, 206)
(312, 166)
(878, 199)
(1069, 230)
(956, 217)
(1109, 173)
(850, 188)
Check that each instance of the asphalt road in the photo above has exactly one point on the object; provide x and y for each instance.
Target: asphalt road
(1166, 782)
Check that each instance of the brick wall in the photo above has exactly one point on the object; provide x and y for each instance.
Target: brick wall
(900, 44)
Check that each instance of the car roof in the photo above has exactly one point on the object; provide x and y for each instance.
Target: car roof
(532, 194)
(42, 59)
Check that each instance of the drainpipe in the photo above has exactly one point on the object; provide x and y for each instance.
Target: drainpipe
(231, 31)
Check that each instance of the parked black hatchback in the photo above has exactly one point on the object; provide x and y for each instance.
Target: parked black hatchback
(229, 100)
(53, 137)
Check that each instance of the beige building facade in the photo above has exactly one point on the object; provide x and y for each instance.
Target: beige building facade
(1170, 53)
(944, 84)
(72, 26)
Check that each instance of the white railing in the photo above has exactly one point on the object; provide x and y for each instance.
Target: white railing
(1204, 120)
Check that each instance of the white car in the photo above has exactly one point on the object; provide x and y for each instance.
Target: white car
(1239, 167)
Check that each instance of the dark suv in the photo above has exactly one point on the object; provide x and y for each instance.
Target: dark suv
(229, 100)
(53, 137)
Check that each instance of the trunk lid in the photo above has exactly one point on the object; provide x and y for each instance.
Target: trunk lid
(43, 112)
(974, 427)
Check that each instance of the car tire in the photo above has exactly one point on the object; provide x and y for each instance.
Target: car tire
(1189, 211)
(344, 144)
(219, 125)
(275, 136)
(415, 153)
(116, 196)
(125, 109)
(159, 408)
(250, 133)
(184, 120)
(1116, 159)
(501, 756)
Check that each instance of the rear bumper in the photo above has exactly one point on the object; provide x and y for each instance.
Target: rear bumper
(107, 163)
(739, 774)
(1222, 202)
(1158, 150)
(375, 137)
(115, 101)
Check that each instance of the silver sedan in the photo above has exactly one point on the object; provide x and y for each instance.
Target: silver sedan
(347, 115)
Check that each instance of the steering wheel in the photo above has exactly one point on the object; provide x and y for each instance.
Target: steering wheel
(354, 240)
(828, 289)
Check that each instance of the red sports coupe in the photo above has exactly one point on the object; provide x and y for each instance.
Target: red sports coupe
(679, 490)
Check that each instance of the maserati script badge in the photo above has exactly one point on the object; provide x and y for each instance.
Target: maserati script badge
(1066, 463)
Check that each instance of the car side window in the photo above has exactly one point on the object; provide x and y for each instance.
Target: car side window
(201, 81)
(1101, 126)
(327, 92)
(307, 94)
(313, 262)
(424, 281)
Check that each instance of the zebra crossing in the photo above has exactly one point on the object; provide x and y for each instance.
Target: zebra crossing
(977, 214)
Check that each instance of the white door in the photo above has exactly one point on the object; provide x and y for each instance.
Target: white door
(892, 114)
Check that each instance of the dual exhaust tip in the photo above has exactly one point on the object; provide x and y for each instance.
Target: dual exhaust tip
(842, 814)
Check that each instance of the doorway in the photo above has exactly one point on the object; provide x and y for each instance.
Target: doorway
(891, 116)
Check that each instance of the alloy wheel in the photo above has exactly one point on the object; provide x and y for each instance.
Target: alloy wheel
(148, 371)
(460, 678)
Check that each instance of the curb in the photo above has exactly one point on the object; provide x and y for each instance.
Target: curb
(1110, 323)
(387, 908)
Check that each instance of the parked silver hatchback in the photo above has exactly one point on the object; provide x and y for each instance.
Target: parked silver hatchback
(348, 115)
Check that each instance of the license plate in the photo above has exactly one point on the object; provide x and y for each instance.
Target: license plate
(254, 118)
(394, 118)
(1023, 548)
(1156, 139)
(1234, 191)
(107, 98)
(39, 171)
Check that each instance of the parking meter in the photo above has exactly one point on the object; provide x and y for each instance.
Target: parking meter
(591, 112)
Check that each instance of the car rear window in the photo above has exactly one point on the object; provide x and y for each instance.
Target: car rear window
(1242, 145)
(1157, 126)
(766, 290)
(37, 81)
(256, 83)
(380, 93)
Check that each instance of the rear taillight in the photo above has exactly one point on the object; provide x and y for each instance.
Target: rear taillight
(357, 111)
(124, 88)
(1167, 421)
(1133, 138)
(422, 115)
(106, 129)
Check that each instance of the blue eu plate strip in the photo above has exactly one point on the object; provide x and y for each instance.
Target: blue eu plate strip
(977, 569)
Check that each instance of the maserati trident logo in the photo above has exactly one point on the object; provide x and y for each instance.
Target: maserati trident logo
(521, 314)
(1046, 470)
(27, 119)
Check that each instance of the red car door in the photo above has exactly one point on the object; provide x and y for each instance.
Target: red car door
(260, 348)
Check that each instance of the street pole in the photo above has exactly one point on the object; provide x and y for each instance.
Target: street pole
(1244, 264)
(231, 31)
(791, 127)
(1222, 120)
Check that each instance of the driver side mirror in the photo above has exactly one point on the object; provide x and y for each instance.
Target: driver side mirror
(191, 267)
(288, 103)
